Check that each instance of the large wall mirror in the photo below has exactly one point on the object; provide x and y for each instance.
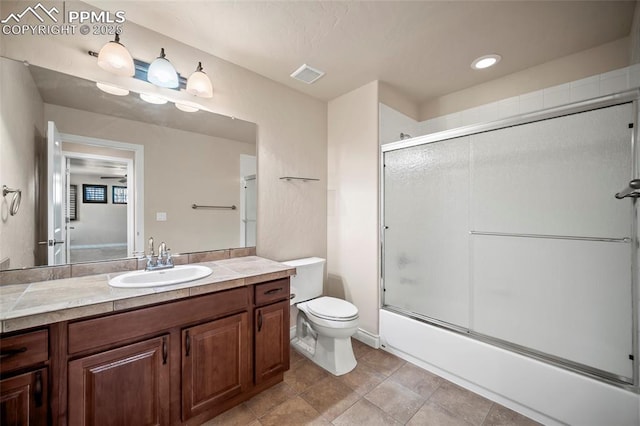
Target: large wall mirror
(99, 174)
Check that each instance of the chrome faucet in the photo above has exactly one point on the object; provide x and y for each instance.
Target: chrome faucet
(162, 260)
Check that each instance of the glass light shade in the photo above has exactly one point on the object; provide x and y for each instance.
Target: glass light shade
(162, 73)
(115, 58)
(153, 99)
(112, 90)
(186, 108)
(199, 84)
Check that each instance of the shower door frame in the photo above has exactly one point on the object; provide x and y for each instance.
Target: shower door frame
(629, 96)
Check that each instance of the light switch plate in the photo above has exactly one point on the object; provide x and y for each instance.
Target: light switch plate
(161, 216)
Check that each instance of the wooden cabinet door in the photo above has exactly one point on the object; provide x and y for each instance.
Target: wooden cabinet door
(271, 330)
(23, 399)
(124, 386)
(215, 363)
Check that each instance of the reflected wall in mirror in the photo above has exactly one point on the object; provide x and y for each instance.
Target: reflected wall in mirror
(150, 163)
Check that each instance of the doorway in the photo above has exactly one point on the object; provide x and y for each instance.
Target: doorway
(104, 198)
(96, 207)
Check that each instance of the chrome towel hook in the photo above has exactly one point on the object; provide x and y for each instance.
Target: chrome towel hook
(15, 200)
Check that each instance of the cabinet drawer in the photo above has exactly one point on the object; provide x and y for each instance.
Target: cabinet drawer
(23, 350)
(117, 328)
(272, 291)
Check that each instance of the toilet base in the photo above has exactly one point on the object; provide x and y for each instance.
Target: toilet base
(332, 354)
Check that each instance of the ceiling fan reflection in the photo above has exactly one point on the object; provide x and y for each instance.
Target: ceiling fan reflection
(121, 179)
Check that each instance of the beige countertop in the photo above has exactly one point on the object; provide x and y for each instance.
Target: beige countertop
(39, 303)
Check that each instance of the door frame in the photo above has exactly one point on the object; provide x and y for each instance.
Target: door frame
(135, 173)
(68, 155)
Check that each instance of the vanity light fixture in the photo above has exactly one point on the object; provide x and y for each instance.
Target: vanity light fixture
(186, 108)
(162, 73)
(157, 100)
(112, 90)
(115, 58)
(485, 61)
(199, 84)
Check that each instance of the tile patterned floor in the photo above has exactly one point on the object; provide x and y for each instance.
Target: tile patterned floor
(382, 390)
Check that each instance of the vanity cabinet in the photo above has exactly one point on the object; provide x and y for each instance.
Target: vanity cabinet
(179, 362)
(24, 385)
(128, 385)
(215, 363)
(271, 330)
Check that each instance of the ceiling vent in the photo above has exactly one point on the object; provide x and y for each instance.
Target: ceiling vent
(307, 74)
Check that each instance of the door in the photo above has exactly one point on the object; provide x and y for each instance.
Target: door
(56, 226)
(272, 340)
(124, 386)
(515, 235)
(250, 211)
(215, 363)
(23, 399)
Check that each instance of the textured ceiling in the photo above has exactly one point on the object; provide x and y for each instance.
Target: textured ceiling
(422, 48)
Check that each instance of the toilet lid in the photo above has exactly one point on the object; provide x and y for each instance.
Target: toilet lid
(332, 309)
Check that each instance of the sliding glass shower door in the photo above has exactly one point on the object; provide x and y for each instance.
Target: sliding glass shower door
(514, 236)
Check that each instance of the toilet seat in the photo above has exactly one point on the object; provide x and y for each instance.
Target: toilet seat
(332, 309)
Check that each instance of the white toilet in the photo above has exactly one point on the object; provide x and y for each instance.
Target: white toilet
(325, 324)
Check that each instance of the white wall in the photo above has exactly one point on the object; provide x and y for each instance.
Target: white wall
(292, 127)
(634, 34)
(393, 123)
(352, 237)
(21, 122)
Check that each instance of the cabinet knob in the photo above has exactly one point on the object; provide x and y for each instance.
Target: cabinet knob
(187, 343)
(259, 320)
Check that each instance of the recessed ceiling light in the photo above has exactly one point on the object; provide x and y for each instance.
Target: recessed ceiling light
(485, 61)
(112, 90)
(152, 99)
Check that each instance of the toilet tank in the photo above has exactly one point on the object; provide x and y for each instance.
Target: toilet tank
(306, 284)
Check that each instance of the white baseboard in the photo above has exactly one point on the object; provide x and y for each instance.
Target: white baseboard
(365, 337)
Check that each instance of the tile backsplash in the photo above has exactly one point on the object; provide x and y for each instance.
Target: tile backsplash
(46, 273)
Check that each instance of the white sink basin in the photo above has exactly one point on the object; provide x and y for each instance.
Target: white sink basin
(175, 275)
